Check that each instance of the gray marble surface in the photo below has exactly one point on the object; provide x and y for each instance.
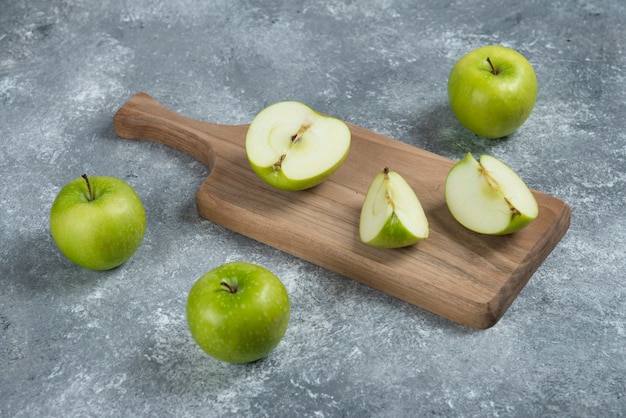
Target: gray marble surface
(80, 343)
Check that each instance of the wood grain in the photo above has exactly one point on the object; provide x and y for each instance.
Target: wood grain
(466, 277)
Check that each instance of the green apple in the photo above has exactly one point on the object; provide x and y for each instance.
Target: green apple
(97, 222)
(292, 147)
(392, 215)
(238, 312)
(488, 197)
(492, 90)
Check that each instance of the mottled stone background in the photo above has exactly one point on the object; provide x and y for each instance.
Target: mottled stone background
(81, 343)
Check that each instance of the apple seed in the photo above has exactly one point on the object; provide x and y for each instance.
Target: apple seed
(298, 135)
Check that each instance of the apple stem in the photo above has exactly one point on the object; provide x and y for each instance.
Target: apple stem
(89, 189)
(493, 69)
(229, 287)
(278, 164)
(388, 194)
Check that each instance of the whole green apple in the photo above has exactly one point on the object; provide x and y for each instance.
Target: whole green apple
(97, 222)
(492, 90)
(238, 312)
(292, 147)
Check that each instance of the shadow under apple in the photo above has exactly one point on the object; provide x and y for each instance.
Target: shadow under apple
(36, 265)
(437, 130)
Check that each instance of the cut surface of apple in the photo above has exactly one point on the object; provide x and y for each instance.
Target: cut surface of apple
(292, 147)
(392, 215)
(488, 197)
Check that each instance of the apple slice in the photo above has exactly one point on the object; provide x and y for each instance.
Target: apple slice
(392, 215)
(488, 197)
(292, 147)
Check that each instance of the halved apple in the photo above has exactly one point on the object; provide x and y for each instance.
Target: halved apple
(292, 147)
(392, 215)
(488, 197)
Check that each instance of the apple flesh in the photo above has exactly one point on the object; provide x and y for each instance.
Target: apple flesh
(238, 312)
(392, 215)
(97, 222)
(292, 147)
(488, 197)
(492, 90)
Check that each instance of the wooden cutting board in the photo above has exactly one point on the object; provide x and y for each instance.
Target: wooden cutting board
(463, 276)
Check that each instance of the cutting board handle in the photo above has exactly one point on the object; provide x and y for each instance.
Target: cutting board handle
(144, 118)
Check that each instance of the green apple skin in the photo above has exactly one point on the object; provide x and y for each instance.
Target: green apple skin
(277, 178)
(391, 199)
(486, 196)
(102, 233)
(238, 312)
(487, 104)
(285, 163)
(394, 235)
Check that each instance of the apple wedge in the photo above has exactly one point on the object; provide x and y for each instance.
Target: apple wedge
(292, 147)
(488, 197)
(392, 215)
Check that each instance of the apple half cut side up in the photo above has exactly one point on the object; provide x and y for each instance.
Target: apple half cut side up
(292, 147)
(392, 215)
(488, 197)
